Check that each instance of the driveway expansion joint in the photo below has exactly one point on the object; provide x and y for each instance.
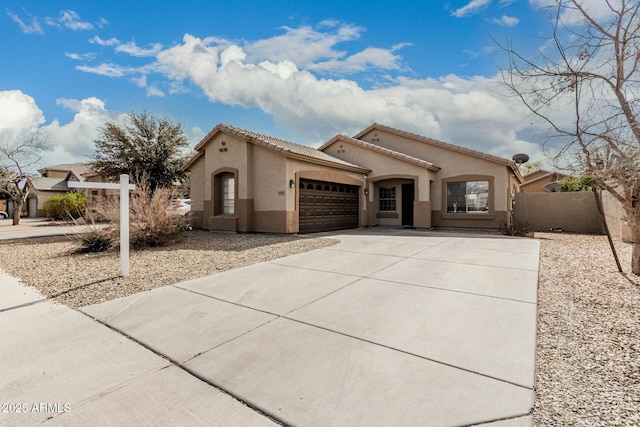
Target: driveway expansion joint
(180, 366)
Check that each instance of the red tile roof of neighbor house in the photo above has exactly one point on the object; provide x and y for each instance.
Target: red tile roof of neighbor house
(382, 150)
(278, 145)
(446, 145)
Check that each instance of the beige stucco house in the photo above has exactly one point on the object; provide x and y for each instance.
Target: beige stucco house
(244, 181)
(535, 181)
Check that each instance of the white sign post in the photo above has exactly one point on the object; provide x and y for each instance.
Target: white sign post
(124, 188)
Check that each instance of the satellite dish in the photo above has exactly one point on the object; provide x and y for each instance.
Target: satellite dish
(520, 158)
(552, 187)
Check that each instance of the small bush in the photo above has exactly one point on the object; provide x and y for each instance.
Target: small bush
(68, 206)
(151, 222)
(95, 240)
(516, 228)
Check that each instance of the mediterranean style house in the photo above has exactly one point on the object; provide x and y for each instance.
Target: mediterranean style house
(248, 182)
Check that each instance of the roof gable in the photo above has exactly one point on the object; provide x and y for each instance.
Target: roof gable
(382, 150)
(76, 168)
(49, 184)
(430, 141)
(281, 146)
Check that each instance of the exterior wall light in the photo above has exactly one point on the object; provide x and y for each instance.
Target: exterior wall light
(292, 183)
(366, 192)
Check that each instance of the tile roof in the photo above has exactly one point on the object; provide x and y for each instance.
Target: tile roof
(77, 169)
(382, 150)
(277, 145)
(435, 142)
(555, 176)
(49, 184)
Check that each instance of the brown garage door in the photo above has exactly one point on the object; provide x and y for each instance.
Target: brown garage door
(326, 206)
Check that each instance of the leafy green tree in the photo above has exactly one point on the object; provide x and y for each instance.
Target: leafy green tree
(581, 183)
(145, 147)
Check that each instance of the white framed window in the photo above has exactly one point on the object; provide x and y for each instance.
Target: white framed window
(468, 197)
(387, 199)
(228, 195)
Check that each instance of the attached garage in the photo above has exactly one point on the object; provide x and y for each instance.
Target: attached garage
(327, 206)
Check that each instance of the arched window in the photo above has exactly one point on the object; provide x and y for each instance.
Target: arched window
(228, 187)
(224, 193)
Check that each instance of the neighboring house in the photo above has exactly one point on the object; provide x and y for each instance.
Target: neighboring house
(244, 181)
(535, 181)
(52, 182)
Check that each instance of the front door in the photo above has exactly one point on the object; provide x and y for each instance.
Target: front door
(407, 204)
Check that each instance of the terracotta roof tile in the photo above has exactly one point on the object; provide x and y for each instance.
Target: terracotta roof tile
(278, 145)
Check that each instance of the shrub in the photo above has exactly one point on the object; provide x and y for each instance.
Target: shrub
(97, 239)
(516, 228)
(151, 223)
(69, 206)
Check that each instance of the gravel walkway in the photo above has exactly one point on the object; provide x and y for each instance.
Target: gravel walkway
(588, 359)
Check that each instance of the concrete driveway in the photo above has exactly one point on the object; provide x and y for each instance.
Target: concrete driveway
(388, 327)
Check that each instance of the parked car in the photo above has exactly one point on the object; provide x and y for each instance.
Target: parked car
(4, 215)
(181, 206)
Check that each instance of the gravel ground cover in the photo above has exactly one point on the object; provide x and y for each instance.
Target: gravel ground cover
(588, 350)
(51, 266)
(588, 358)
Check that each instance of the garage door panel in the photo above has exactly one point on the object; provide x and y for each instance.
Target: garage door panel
(326, 206)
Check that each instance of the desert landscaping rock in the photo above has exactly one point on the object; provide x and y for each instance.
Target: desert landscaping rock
(50, 265)
(588, 338)
(588, 346)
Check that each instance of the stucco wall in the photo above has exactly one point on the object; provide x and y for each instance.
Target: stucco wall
(451, 162)
(574, 212)
(384, 168)
(615, 217)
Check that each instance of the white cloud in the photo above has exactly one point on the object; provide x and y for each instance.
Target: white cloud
(463, 111)
(134, 50)
(109, 70)
(598, 9)
(71, 20)
(304, 45)
(73, 141)
(470, 8)
(110, 42)
(27, 28)
(67, 143)
(80, 56)
(19, 111)
(507, 21)
(369, 58)
(288, 85)
(154, 91)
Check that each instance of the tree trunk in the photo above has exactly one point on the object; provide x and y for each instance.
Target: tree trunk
(635, 241)
(635, 258)
(17, 210)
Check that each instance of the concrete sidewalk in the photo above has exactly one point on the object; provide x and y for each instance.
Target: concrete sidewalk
(37, 227)
(388, 327)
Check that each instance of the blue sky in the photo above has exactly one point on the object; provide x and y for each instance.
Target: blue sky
(299, 70)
